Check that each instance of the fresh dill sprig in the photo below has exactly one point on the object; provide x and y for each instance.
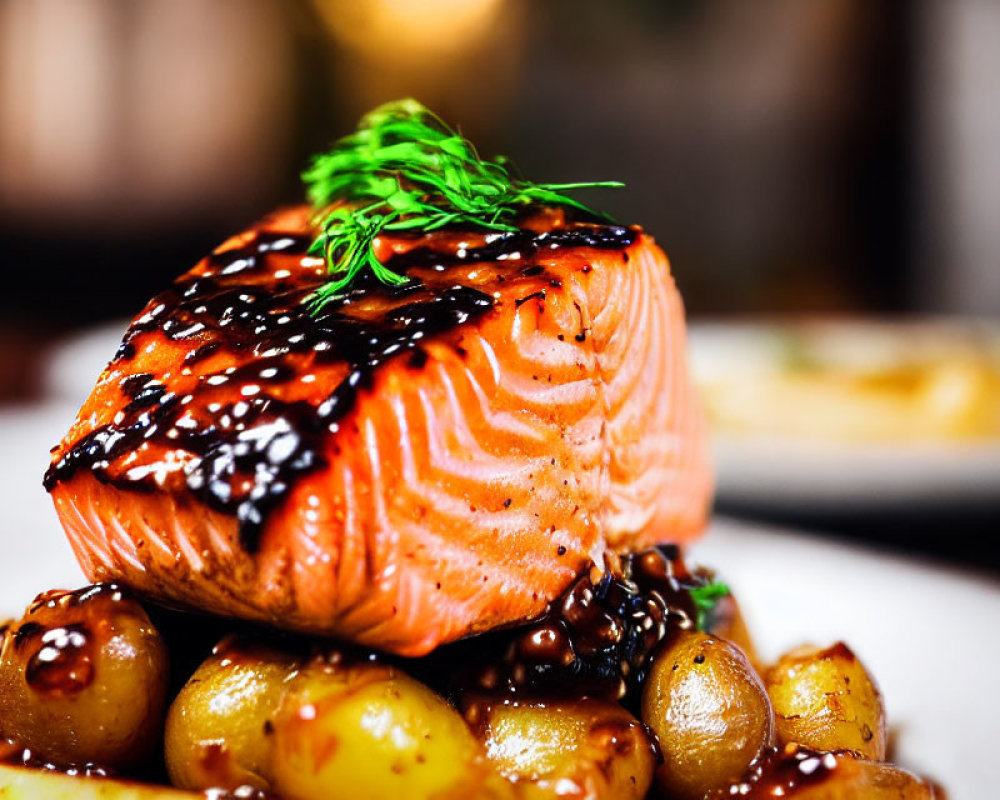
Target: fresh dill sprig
(705, 598)
(405, 169)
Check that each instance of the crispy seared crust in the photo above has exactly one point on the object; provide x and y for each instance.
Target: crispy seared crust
(463, 491)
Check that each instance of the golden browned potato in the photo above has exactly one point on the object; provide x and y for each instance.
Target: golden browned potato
(368, 730)
(83, 678)
(583, 748)
(710, 713)
(825, 698)
(218, 732)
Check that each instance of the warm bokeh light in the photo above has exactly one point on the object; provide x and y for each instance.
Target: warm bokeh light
(460, 57)
(404, 29)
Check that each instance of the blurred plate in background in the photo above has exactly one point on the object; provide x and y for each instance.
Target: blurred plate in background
(73, 365)
(34, 555)
(852, 416)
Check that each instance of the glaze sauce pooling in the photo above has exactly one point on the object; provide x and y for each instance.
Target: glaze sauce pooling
(782, 772)
(60, 637)
(239, 423)
(597, 638)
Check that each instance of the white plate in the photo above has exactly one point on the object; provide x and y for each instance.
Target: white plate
(798, 474)
(926, 633)
(34, 554)
(73, 365)
(844, 479)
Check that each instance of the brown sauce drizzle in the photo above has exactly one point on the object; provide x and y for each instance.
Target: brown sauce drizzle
(597, 638)
(784, 771)
(59, 652)
(780, 772)
(59, 638)
(249, 451)
(63, 664)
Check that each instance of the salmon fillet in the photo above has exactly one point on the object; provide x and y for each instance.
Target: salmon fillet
(410, 465)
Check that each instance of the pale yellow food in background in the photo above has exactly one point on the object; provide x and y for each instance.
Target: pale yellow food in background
(854, 382)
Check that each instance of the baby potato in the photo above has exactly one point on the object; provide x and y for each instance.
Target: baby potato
(367, 730)
(83, 678)
(218, 731)
(710, 712)
(825, 699)
(584, 748)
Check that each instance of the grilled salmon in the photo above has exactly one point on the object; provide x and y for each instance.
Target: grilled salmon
(407, 465)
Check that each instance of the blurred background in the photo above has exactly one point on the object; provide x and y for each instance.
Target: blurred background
(822, 157)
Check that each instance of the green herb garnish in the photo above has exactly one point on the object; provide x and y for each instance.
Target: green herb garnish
(705, 599)
(405, 169)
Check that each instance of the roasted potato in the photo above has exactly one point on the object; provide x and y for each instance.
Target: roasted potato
(83, 678)
(586, 748)
(710, 712)
(368, 730)
(825, 699)
(218, 731)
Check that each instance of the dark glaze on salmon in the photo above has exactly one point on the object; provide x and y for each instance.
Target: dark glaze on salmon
(246, 453)
(409, 465)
